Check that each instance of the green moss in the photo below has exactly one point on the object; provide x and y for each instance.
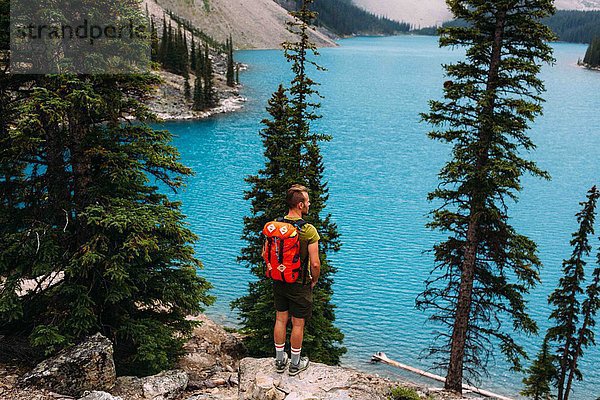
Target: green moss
(403, 393)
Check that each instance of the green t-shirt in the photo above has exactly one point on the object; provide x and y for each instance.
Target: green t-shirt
(308, 235)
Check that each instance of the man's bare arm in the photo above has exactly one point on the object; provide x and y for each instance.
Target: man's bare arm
(315, 262)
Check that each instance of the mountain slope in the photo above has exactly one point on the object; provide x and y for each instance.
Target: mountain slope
(252, 23)
(345, 18)
(423, 13)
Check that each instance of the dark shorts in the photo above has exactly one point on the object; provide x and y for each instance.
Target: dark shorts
(293, 297)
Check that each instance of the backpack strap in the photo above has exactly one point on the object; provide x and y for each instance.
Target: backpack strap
(299, 223)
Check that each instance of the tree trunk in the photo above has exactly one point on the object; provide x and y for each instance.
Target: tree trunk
(458, 340)
(463, 309)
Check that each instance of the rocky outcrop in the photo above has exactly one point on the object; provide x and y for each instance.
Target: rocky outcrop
(85, 367)
(210, 350)
(168, 101)
(258, 380)
(167, 385)
(210, 370)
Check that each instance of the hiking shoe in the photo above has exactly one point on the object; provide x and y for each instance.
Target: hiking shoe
(301, 366)
(280, 365)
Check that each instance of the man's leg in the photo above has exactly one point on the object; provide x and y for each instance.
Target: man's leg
(296, 338)
(279, 333)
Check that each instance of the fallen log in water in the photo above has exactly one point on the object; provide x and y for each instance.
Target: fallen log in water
(381, 357)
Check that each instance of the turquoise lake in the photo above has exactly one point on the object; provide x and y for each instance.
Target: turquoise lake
(380, 166)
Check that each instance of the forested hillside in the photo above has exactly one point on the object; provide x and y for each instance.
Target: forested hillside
(575, 26)
(592, 55)
(568, 25)
(343, 17)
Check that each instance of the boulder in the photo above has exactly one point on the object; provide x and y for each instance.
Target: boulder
(99, 395)
(211, 350)
(259, 380)
(84, 367)
(164, 386)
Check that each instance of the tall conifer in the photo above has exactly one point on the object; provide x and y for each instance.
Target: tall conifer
(230, 74)
(209, 95)
(566, 301)
(162, 49)
(484, 268)
(154, 41)
(292, 156)
(193, 55)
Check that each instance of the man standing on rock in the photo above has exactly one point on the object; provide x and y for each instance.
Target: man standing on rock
(296, 298)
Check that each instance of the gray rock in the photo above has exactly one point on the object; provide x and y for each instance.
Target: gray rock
(85, 367)
(164, 386)
(259, 381)
(98, 395)
(210, 350)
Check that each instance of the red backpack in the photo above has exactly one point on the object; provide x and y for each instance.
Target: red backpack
(281, 250)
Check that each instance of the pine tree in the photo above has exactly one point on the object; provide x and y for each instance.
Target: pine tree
(540, 375)
(170, 51)
(490, 99)
(592, 55)
(565, 299)
(586, 336)
(162, 49)
(193, 54)
(187, 90)
(209, 96)
(154, 41)
(185, 54)
(230, 74)
(292, 156)
(198, 98)
(78, 204)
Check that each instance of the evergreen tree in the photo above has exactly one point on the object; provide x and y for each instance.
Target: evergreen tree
(185, 54)
(193, 55)
(187, 90)
(79, 205)
(541, 373)
(565, 298)
(237, 74)
(230, 74)
(586, 336)
(155, 48)
(567, 307)
(209, 95)
(292, 156)
(489, 101)
(592, 55)
(198, 98)
(162, 49)
(199, 62)
(170, 51)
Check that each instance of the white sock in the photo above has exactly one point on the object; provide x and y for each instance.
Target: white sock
(296, 356)
(279, 350)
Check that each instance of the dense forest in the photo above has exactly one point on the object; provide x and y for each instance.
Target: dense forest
(592, 55)
(567, 25)
(344, 18)
(575, 26)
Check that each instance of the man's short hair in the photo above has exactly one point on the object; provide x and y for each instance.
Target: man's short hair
(295, 195)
